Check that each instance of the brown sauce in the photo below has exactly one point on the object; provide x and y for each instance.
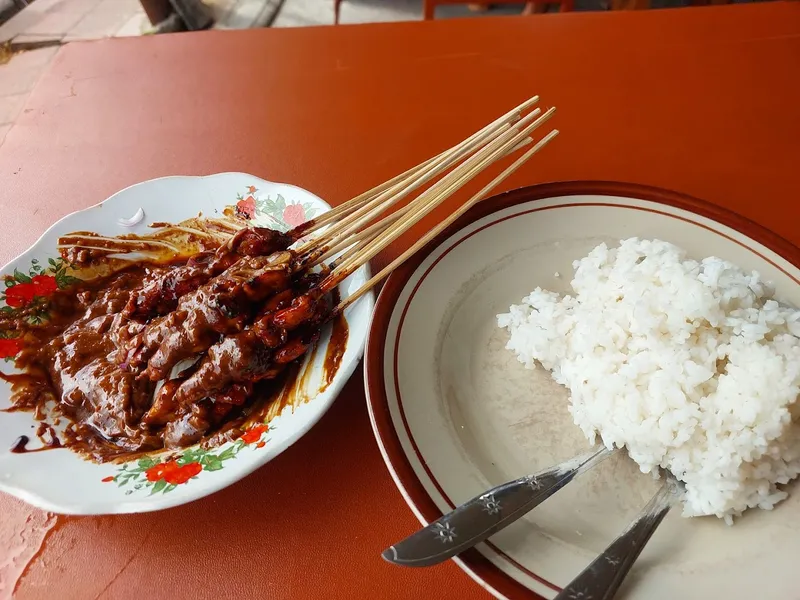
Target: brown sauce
(336, 347)
(87, 358)
(20, 444)
(297, 389)
(45, 433)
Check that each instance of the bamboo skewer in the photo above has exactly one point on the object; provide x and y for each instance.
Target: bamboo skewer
(444, 224)
(360, 228)
(351, 205)
(440, 192)
(396, 183)
(359, 238)
(349, 219)
(375, 228)
(359, 200)
(391, 196)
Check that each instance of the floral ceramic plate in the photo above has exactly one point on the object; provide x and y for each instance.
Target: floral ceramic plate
(60, 480)
(455, 413)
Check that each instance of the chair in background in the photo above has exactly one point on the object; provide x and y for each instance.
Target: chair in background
(429, 6)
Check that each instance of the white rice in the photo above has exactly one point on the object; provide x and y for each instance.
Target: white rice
(691, 366)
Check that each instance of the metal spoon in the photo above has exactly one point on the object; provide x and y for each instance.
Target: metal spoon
(484, 515)
(603, 577)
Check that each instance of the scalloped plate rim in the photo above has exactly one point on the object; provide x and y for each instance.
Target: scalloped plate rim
(237, 471)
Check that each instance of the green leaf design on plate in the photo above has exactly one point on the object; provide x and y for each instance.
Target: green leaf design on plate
(159, 485)
(21, 277)
(147, 462)
(188, 456)
(227, 453)
(211, 463)
(63, 280)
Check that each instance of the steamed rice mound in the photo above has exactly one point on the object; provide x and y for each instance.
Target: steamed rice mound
(691, 366)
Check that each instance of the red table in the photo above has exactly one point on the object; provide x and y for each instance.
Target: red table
(702, 100)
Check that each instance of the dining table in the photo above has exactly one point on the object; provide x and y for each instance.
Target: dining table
(700, 100)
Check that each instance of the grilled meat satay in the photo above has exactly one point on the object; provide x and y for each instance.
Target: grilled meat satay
(260, 352)
(222, 306)
(191, 424)
(253, 241)
(161, 295)
(214, 315)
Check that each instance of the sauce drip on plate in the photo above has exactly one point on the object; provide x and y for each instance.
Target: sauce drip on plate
(167, 355)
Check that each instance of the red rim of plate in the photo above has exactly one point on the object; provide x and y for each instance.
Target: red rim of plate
(394, 456)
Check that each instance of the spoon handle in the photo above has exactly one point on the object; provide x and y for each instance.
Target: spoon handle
(486, 514)
(603, 577)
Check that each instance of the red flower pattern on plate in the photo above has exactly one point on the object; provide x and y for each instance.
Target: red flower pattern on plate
(44, 285)
(273, 210)
(10, 347)
(151, 473)
(22, 294)
(247, 207)
(183, 474)
(159, 471)
(172, 472)
(253, 434)
(294, 215)
(28, 291)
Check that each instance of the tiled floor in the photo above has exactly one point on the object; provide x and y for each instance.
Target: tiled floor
(17, 78)
(50, 23)
(67, 20)
(61, 21)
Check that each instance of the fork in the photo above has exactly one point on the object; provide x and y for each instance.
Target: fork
(484, 515)
(603, 577)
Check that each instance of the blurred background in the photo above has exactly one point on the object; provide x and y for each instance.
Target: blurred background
(31, 31)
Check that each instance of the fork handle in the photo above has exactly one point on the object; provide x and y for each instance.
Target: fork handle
(603, 577)
(484, 515)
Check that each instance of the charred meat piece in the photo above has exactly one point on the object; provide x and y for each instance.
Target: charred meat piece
(222, 306)
(302, 309)
(161, 294)
(253, 241)
(260, 352)
(237, 358)
(259, 241)
(189, 426)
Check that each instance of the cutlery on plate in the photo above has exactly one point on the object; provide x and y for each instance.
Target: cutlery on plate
(485, 515)
(603, 577)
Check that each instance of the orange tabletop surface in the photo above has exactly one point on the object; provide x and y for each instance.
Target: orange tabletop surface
(700, 100)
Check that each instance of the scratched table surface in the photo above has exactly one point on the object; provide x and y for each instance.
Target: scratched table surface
(701, 100)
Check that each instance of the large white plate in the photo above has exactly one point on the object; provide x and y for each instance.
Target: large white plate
(455, 413)
(60, 480)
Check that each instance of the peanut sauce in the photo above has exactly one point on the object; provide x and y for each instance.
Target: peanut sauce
(87, 359)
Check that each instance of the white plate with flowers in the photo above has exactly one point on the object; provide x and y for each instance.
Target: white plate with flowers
(61, 479)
